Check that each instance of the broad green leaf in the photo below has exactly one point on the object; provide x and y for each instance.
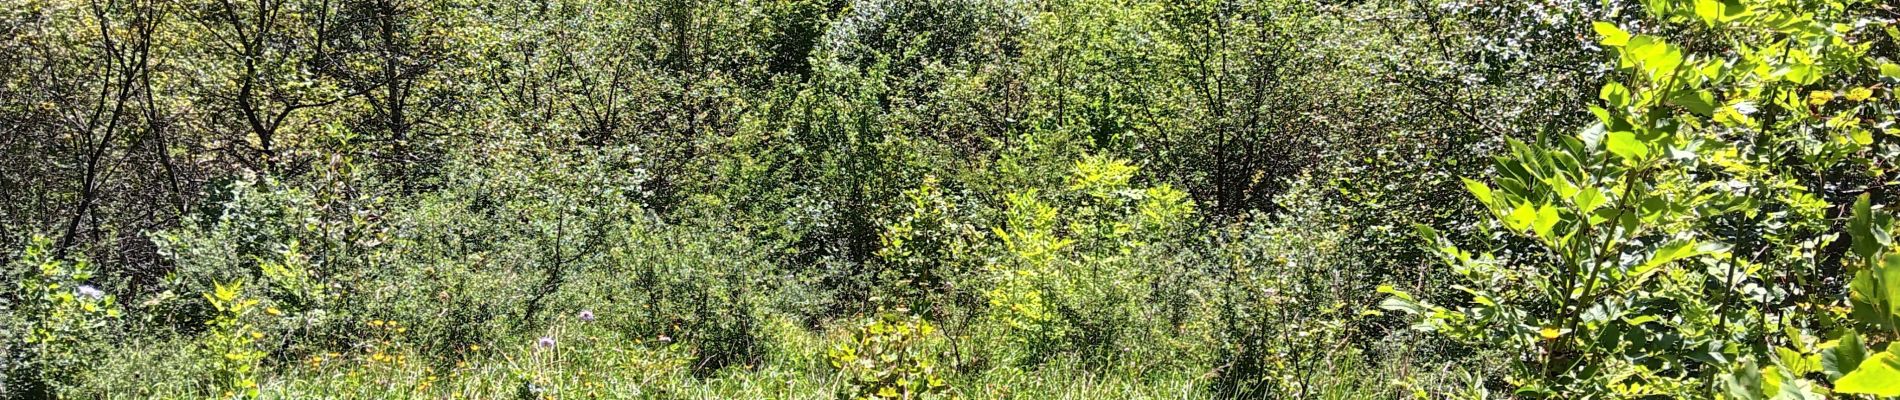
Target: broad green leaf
(1878, 375)
(1675, 250)
(1479, 189)
(1890, 283)
(1744, 382)
(1847, 354)
(1612, 36)
(1588, 200)
(1699, 102)
(1715, 11)
(1708, 10)
(1624, 144)
(1793, 360)
(1803, 73)
(1861, 227)
(1546, 220)
(1402, 304)
(1615, 94)
(1664, 63)
(1395, 292)
(1890, 70)
(1520, 218)
(1864, 294)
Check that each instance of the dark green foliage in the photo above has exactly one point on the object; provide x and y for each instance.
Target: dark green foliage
(1059, 198)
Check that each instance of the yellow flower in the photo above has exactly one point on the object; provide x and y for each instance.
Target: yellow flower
(1551, 333)
(1860, 94)
(474, 347)
(273, 311)
(376, 322)
(257, 335)
(1820, 97)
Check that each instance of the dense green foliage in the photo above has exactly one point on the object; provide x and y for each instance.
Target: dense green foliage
(949, 199)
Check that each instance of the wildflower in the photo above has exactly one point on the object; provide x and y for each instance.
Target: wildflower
(587, 315)
(273, 311)
(1550, 333)
(90, 293)
(376, 323)
(666, 339)
(474, 347)
(546, 342)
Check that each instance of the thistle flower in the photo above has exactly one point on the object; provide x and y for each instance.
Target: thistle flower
(90, 293)
(546, 342)
(587, 315)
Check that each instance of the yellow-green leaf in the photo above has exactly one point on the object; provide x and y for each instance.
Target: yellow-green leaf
(1612, 36)
(1878, 375)
(1546, 220)
(1624, 144)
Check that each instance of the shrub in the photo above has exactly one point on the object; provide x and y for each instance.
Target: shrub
(231, 342)
(889, 357)
(57, 325)
(1671, 246)
(1079, 277)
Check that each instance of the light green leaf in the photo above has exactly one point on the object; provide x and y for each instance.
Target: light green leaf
(1890, 70)
(1675, 250)
(1890, 282)
(1699, 102)
(1546, 220)
(1520, 218)
(1744, 382)
(1612, 36)
(1714, 11)
(1878, 375)
(1589, 199)
(1402, 305)
(1480, 190)
(1624, 144)
(1616, 94)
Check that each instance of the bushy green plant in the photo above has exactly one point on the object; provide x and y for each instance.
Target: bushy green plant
(1667, 248)
(1076, 274)
(924, 254)
(231, 343)
(1288, 298)
(58, 324)
(890, 357)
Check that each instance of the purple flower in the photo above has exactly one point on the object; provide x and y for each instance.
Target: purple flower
(587, 315)
(546, 342)
(90, 293)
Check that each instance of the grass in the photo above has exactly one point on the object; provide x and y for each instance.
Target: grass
(590, 361)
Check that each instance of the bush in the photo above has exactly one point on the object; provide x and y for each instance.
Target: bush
(58, 324)
(1080, 277)
(890, 357)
